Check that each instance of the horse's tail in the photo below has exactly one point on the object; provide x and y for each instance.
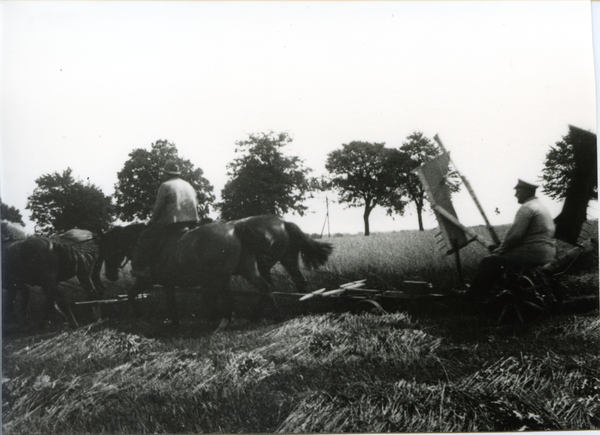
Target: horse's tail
(314, 253)
(78, 256)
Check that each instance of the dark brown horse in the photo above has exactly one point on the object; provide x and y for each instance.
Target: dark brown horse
(47, 261)
(117, 246)
(272, 240)
(206, 256)
(266, 240)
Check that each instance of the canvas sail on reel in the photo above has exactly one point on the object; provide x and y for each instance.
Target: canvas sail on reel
(453, 236)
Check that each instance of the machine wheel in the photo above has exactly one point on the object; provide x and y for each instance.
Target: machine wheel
(522, 297)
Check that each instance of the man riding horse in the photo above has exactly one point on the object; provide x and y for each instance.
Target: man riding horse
(175, 209)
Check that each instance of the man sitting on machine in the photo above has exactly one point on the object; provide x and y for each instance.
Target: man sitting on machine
(529, 242)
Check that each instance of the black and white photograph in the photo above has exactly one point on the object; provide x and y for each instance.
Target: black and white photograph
(299, 216)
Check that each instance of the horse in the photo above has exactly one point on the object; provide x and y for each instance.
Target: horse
(266, 240)
(117, 247)
(11, 232)
(263, 241)
(272, 240)
(32, 260)
(205, 256)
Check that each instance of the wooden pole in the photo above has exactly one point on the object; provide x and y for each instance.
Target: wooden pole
(456, 222)
(328, 230)
(326, 219)
(472, 193)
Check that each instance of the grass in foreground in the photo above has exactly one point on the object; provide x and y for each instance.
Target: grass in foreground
(328, 373)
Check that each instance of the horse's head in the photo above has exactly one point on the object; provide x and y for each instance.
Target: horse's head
(117, 246)
(111, 252)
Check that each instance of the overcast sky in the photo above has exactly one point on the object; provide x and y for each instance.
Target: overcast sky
(84, 83)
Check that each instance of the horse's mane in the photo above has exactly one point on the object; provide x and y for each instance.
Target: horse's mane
(12, 231)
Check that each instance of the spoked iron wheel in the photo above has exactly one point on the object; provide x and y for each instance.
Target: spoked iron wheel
(522, 297)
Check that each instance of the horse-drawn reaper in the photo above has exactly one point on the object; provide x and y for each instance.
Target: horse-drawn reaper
(521, 274)
(261, 241)
(521, 279)
(207, 256)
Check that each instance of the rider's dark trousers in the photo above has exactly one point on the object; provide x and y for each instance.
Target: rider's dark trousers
(151, 240)
(490, 270)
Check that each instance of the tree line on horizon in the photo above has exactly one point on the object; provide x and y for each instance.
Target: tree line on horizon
(262, 180)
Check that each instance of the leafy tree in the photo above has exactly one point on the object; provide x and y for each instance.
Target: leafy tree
(11, 214)
(364, 174)
(560, 168)
(263, 180)
(60, 203)
(141, 177)
(417, 150)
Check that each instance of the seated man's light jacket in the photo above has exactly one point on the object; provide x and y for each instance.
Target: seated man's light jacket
(531, 236)
(176, 201)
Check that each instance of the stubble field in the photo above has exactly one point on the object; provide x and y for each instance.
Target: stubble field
(329, 372)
